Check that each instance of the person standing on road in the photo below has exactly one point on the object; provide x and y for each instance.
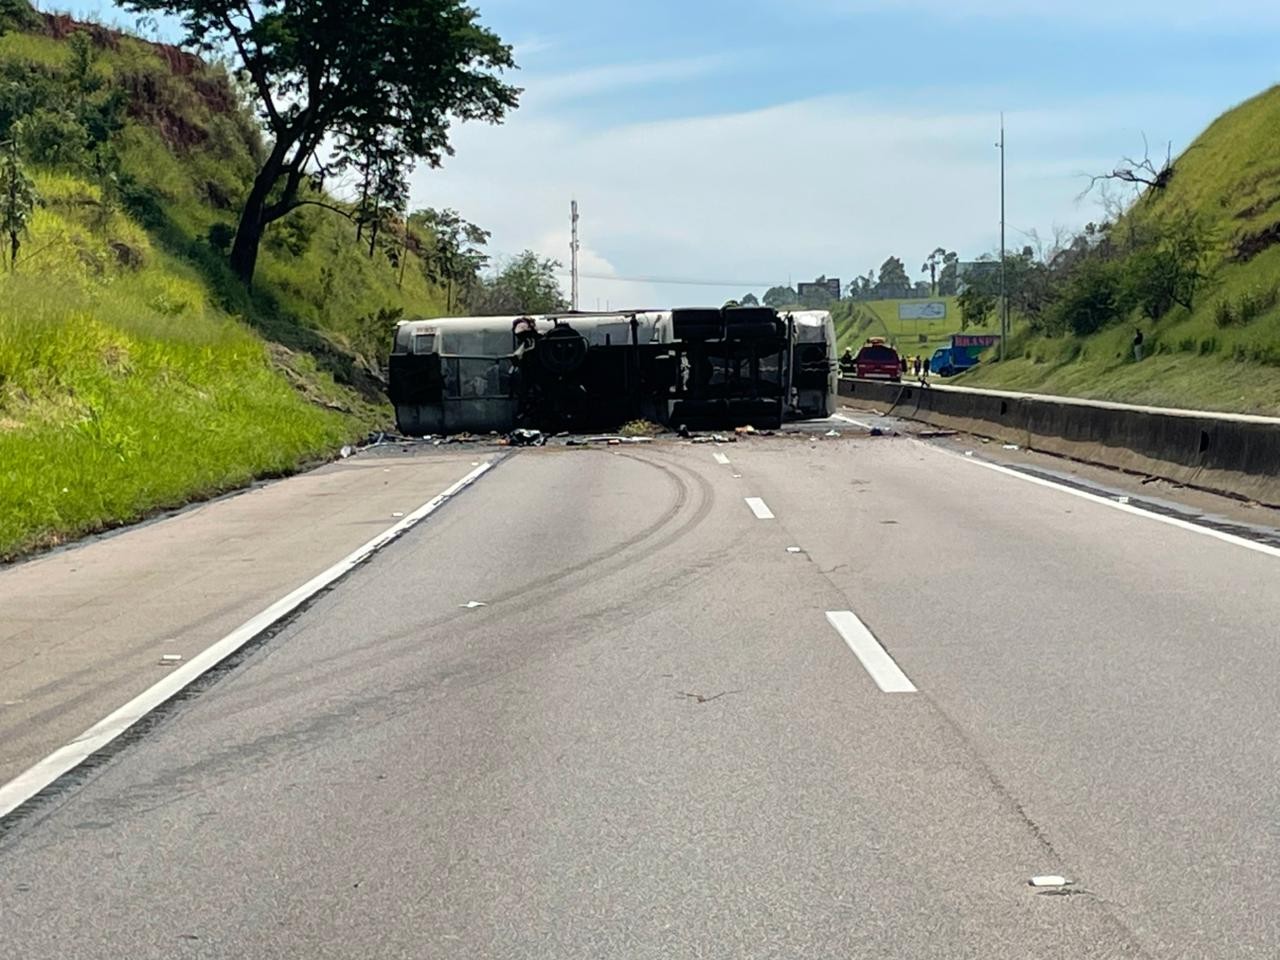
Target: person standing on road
(1137, 343)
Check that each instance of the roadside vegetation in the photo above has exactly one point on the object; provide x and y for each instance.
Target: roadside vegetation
(1192, 260)
(141, 366)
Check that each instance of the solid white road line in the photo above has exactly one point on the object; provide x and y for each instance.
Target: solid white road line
(887, 675)
(720, 458)
(1117, 505)
(759, 508)
(26, 785)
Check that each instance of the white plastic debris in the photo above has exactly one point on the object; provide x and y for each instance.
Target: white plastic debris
(968, 453)
(737, 476)
(472, 604)
(1049, 880)
(347, 451)
(1122, 499)
(1010, 446)
(171, 657)
(793, 549)
(832, 433)
(398, 514)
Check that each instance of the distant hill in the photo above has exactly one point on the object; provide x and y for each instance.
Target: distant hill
(135, 372)
(1224, 353)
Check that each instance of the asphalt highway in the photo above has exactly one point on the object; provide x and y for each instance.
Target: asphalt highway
(596, 707)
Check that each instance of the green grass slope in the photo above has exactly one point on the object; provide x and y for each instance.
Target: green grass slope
(135, 374)
(856, 320)
(1225, 353)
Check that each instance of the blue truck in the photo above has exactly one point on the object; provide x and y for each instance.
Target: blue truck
(962, 354)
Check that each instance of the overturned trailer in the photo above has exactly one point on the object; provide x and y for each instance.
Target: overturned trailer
(702, 368)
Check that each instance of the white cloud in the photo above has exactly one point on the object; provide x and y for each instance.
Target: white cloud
(831, 185)
(544, 89)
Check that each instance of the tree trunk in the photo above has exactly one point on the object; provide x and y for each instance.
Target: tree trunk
(253, 221)
(13, 249)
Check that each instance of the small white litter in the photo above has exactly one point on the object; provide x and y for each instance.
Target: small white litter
(1010, 446)
(968, 453)
(347, 451)
(1049, 880)
(737, 476)
(793, 549)
(832, 433)
(398, 514)
(171, 657)
(1122, 499)
(472, 604)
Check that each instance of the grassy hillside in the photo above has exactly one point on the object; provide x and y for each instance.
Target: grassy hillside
(135, 373)
(857, 320)
(1225, 352)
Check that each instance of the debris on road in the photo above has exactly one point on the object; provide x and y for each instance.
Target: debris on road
(745, 431)
(1010, 446)
(398, 514)
(832, 433)
(793, 550)
(170, 657)
(524, 437)
(968, 453)
(346, 451)
(472, 604)
(877, 432)
(1122, 499)
(703, 698)
(1049, 880)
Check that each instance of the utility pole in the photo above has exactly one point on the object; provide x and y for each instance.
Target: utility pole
(573, 251)
(1004, 295)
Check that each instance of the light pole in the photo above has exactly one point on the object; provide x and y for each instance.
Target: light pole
(1004, 298)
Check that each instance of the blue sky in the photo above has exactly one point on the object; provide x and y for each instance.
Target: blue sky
(766, 140)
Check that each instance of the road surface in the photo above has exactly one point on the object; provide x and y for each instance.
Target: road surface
(653, 741)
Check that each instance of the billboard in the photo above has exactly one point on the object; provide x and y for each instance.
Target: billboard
(830, 284)
(923, 310)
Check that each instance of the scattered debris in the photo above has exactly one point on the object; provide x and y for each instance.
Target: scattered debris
(793, 550)
(986, 439)
(968, 453)
(170, 657)
(832, 433)
(398, 514)
(937, 434)
(745, 431)
(889, 522)
(877, 432)
(1049, 880)
(472, 604)
(1122, 499)
(346, 451)
(737, 476)
(1009, 446)
(524, 437)
(721, 438)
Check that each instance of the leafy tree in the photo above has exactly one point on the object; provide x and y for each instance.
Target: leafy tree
(1090, 299)
(455, 258)
(750, 300)
(949, 277)
(526, 285)
(930, 266)
(368, 77)
(779, 297)
(1169, 269)
(894, 281)
(18, 199)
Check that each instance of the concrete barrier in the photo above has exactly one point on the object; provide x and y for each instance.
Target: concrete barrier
(1234, 454)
